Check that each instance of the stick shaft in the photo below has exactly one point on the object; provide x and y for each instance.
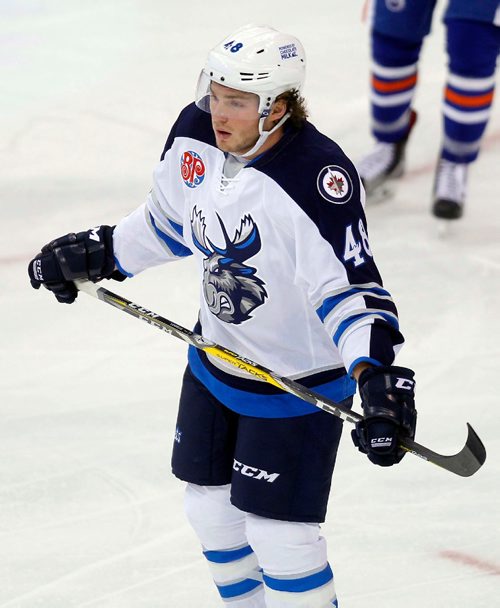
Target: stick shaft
(464, 463)
(194, 339)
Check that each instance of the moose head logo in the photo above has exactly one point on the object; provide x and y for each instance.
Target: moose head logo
(230, 287)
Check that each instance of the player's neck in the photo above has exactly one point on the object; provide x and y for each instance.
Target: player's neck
(271, 141)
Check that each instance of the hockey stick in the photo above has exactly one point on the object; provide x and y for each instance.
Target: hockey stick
(465, 463)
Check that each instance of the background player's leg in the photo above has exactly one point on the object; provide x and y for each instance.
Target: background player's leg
(473, 48)
(396, 41)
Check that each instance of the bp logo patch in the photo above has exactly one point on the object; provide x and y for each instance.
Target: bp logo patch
(334, 184)
(192, 169)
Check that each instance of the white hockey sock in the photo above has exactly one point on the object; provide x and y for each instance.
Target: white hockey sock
(221, 529)
(294, 561)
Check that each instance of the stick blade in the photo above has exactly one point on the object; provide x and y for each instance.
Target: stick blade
(473, 455)
(465, 463)
(470, 458)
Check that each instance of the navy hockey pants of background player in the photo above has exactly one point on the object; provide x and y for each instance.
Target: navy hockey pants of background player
(257, 491)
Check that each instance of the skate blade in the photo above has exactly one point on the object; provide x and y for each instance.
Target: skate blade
(446, 229)
(380, 194)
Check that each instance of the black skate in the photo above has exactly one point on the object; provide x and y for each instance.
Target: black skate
(386, 162)
(450, 189)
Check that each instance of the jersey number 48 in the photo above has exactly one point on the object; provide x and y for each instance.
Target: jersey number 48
(355, 249)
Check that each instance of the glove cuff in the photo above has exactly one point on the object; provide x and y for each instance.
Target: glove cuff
(394, 370)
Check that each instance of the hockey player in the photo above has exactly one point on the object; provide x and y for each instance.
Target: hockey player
(273, 212)
(473, 43)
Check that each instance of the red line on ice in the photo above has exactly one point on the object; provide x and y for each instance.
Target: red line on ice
(16, 259)
(470, 560)
(490, 141)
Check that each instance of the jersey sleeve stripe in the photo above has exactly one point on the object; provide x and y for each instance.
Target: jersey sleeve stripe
(332, 302)
(371, 360)
(177, 249)
(356, 321)
(372, 340)
(159, 211)
(365, 318)
(122, 270)
(177, 227)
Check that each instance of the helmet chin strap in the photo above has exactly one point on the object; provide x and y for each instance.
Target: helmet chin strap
(263, 135)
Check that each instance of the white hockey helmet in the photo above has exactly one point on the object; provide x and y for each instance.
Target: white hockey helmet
(256, 59)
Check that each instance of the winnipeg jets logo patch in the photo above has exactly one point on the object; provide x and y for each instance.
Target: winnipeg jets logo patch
(334, 184)
(192, 169)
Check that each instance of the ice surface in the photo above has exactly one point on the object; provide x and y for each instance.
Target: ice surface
(90, 514)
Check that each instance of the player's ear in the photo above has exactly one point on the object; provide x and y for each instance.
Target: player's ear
(278, 110)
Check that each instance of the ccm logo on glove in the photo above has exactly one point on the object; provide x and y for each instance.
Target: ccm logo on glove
(405, 383)
(37, 269)
(381, 442)
(388, 402)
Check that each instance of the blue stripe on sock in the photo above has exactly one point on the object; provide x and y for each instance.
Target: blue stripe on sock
(231, 555)
(236, 589)
(298, 585)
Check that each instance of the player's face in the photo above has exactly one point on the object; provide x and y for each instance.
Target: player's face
(235, 118)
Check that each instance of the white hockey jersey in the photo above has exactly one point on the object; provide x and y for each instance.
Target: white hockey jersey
(287, 277)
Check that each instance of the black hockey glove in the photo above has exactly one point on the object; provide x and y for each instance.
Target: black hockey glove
(84, 255)
(388, 401)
